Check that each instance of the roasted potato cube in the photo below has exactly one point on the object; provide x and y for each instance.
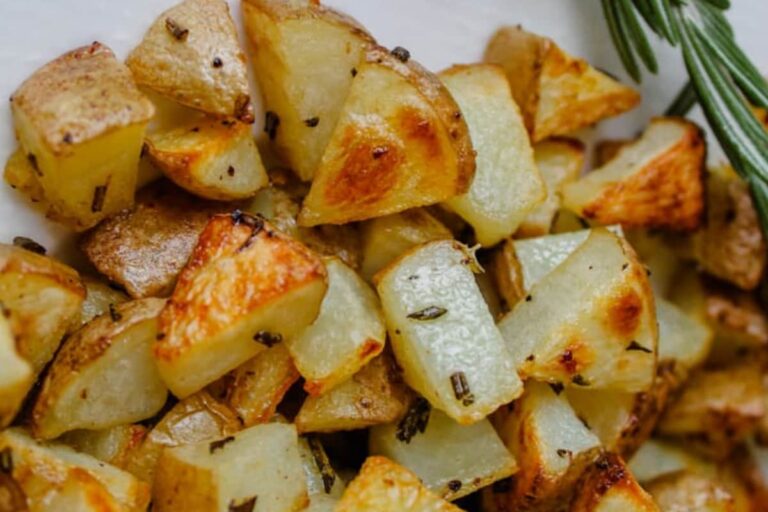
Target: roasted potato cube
(590, 322)
(103, 375)
(323, 484)
(507, 184)
(718, 408)
(195, 419)
(114, 445)
(348, 332)
(690, 491)
(451, 460)
(557, 93)
(400, 142)
(98, 299)
(245, 285)
(656, 182)
(191, 54)
(43, 297)
(384, 486)
(609, 486)
(374, 395)
(144, 250)
(260, 384)
(442, 333)
(55, 473)
(657, 457)
(560, 161)
(552, 446)
(259, 464)
(210, 158)
(15, 374)
(386, 238)
(304, 86)
(80, 120)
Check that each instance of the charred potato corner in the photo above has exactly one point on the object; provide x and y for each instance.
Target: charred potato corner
(389, 289)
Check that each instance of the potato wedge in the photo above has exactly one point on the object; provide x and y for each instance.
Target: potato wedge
(98, 299)
(591, 322)
(15, 374)
(451, 460)
(44, 472)
(507, 184)
(609, 486)
(442, 333)
(191, 54)
(304, 86)
(114, 445)
(104, 375)
(260, 464)
(260, 384)
(373, 396)
(324, 486)
(560, 161)
(656, 182)
(144, 250)
(245, 285)
(557, 93)
(690, 491)
(80, 120)
(348, 332)
(384, 486)
(398, 144)
(43, 297)
(210, 158)
(553, 449)
(386, 238)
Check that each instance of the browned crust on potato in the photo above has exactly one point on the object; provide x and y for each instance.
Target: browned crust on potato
(281, 11)
(736, 315)
(17, 260)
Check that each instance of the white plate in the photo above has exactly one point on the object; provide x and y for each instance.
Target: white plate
(437, 32)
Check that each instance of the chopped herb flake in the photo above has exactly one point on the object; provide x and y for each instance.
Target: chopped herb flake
(267, 338)
(220, 443)
(353, 72)
(323, 464)
(29, 245)
(461, 388)
(557, 387)
(271, 123)
(415, 420)
(245, 505)
(428, 313)
(231, 171)
(177, 31)
(562, 452)
(99, 193)
(113, 314)
(312, 121)
(634, 345)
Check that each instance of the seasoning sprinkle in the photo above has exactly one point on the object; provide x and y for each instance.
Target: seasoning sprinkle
(353, 72)
(579, 380)
(415, 420)
(428, 313)
(454, 485)
(67, 139)
(528, 298)
(217, 62)
(245, 505)
(461, 389)
(231, 171)
(562, 452)
(401, 53)
(312, 121)
(625, 266)
(267, 338)
(99, 193)
(6, 460)
(323, 464)
(220, 443)
(113, 314)
(160, 336)
(531, 358)
(28, 244)
(557, 387)
(271, 123)
(177, 31)
(634, 345)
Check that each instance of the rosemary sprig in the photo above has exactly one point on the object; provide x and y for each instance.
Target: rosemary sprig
(722, 78)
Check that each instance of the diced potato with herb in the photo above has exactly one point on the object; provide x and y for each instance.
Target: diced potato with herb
(259, 385)
(15, 373)
(557, 93)
(348, 332)
(590, 322)
(259, 465)
(656, 182)
(373, 396)
(452, 460)
(560, 161)
(43, 298)
(245, 286)
(53, 474)
(191, 54)
(113, 445)
(98, 299)
(400, 142)
(324, 486)
(442, 333)
(386, 238)
(609, 486)
(384, 486)
(194, 419)
(104, 374)
(553, 448)
(690, 491)
(210, 158)
(304, 86)
(507, 184)
(80, 120)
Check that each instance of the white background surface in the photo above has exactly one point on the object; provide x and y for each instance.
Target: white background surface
(438, 33)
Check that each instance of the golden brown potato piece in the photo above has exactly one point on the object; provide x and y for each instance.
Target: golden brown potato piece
(560, 161)
(655, 182)
(114, 445)
(210, 158)
(99, 298)
(374, 395)
(15, 373)
(304, 86)
(104, 375)
(690, 491)
(558, 93)
(260, 384)
(144, 250)
(400, 142)
(608, 486)
(80, 120)
(383, 486)
(191, 54)
(246, 285)
(43, 298)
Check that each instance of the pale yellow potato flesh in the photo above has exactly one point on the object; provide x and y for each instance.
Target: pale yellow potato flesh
(15, 374)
